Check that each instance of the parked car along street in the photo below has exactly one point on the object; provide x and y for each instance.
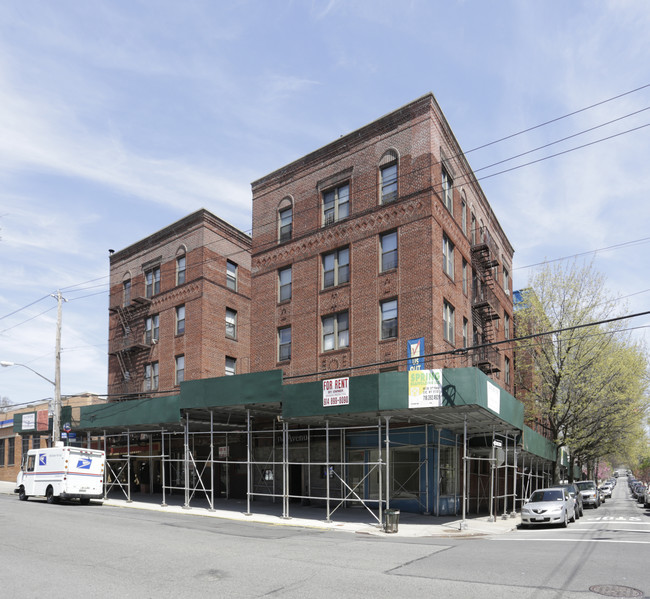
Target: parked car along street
(548, 506)
(589, 492)
(576, 496)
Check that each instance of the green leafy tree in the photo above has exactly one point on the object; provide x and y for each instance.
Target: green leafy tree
(586, 383)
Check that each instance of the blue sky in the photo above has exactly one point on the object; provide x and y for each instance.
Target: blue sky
(119, 117)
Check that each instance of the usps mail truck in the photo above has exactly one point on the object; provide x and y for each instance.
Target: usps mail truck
(62, 473)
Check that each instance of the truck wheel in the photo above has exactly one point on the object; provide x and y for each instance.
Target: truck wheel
(21, 494)
(49, 495)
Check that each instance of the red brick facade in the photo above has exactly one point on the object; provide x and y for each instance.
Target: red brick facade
(136, 344)
(418, 141)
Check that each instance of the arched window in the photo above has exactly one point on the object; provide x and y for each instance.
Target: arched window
(181, 265)
(285, 220)
(388, 177)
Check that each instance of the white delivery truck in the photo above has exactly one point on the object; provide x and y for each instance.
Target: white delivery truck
(62, 473)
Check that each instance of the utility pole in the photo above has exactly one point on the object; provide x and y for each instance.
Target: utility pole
(56, 419)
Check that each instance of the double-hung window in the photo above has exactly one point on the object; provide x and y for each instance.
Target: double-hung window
(180, 270)
(126, 293)
(180, 320)
(465, 276)
(336, 204)
(389, 319)
(180, 369)
(151, 329)
(231, 366)
(336, 331)
(231, 323)
(448, 321)
(284, 344)
(284, 284)
(336, 268)
(286, 223)
(231, 275)
(447, 190)
(447, 257)
(152, 282)
(389, 183)
(388, 251)
(506, 326)
(151, 377)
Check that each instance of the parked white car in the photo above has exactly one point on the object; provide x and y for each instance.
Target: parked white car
(549, 506)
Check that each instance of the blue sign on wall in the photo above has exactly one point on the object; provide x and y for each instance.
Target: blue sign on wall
(416, 354)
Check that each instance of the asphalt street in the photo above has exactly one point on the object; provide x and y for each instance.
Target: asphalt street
(107, 551)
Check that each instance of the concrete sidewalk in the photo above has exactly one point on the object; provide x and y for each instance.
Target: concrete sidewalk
(357, 520)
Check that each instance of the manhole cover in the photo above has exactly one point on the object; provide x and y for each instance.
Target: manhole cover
(614, 590)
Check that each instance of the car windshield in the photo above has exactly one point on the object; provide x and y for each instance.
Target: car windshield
(586, 485)
(551, 495)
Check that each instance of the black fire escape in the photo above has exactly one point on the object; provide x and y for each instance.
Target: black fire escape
(127, 344)
(484, 302)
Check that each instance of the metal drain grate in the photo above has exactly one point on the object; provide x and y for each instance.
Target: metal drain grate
(614, 590)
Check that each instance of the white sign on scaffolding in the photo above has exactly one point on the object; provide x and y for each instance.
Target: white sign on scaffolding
(425, 388)
(336, 392)
(493, 398)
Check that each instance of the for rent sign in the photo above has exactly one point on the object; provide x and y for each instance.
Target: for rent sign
(336, 392)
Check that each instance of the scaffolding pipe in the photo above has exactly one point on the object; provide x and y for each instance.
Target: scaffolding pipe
(427, 511)
(162, 465)
(380, 483)
(285, 467)
(438, 477)
(248, 463)
(492, 463)
(128, 465)
(212, 461)
(186, 461)
(105, 473)
(505, 479)
(387, 419)
(327, 467)
(463, 524)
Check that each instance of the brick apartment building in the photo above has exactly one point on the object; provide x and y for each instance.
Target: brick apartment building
(375, 247)
(179, 307)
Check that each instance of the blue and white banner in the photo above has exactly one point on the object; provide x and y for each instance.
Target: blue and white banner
(416, 354)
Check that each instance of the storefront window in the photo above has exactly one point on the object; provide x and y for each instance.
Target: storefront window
(405, 470)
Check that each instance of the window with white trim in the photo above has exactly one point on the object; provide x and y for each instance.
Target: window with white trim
(285, 224)
(336, 204)
(447, 257)
(180, 369)
(448, 321)
(151, 329)
(447, 190)
(126, 293)
(231, 275)
(388, 242)
(336, 268)
(465, 276)
(284, 284)
(151, 377)
(152, 282)
(180, 319)
(284, 344)
(388, 176)
(231, 323)
(388, 311)
(180, 270)
(336, 331)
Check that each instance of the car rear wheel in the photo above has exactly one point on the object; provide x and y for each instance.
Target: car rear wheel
(566, 520)
(49, 495)
(21, 494)
(573, 518)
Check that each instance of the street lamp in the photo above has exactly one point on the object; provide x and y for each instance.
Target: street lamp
(57, 398)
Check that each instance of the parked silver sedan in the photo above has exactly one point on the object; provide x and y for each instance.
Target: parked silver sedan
(548, 506)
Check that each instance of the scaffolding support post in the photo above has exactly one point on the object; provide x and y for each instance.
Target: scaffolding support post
(492, 468)
(513, 514)
(186, 461)
(427, 511)
(463, 522)
(128, 465)
(285, 470)
(248, 463)
(105, 472)
(162, 465)
(380, 482)
(387, 419)
(438, 477)
(327, 468)
(212, 461)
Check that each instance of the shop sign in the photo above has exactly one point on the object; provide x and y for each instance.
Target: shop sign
(224, 451)
(29, 422)
(134, 449)
(336, 392)
(425, 388)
